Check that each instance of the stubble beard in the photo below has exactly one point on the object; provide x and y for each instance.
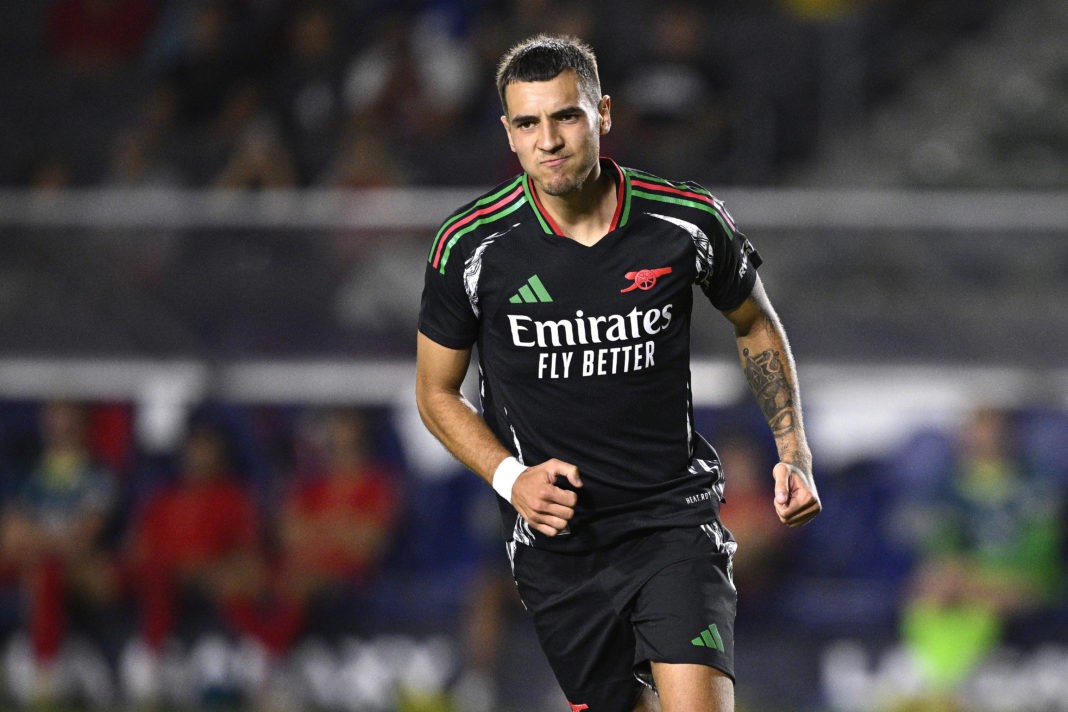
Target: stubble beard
(569, 184)
(562, 185)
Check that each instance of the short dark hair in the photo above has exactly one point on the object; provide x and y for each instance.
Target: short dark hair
(543, 57)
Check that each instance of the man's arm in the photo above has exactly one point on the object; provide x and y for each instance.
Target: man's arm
(440, 373)
(449, 416)
(769, 370)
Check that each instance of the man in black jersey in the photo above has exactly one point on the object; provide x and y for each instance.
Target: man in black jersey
(576, 279)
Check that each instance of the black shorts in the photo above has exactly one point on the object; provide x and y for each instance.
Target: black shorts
(602, 616)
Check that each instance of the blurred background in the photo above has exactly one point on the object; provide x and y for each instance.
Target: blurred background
(214, 215)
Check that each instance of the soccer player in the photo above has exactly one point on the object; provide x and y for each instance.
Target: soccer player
(575, 280)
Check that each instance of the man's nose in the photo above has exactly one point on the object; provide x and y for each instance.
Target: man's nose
(548, 137)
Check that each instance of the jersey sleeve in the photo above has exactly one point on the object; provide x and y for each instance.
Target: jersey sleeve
(445, 312)
(727, 271)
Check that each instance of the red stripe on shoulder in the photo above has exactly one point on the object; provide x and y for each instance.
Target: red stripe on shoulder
(676, 191)
(473, 216)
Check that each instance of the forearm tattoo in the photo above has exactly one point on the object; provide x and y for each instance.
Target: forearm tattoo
(766, 375)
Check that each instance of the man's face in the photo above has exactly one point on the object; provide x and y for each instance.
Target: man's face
(555, 130)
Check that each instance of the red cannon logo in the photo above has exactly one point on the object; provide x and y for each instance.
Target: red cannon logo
(644, 279)
(578, 708)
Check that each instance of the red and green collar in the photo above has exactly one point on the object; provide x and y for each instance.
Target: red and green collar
(622, 181)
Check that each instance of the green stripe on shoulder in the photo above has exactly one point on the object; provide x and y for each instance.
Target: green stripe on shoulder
(689, 204)
(480, 203)
(491, 217)
(684, 185)
(677, 200)
(712, 209)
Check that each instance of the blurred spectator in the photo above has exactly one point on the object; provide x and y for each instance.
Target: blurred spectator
(306, 87)
(141, 152)
(49, 175)
(98, 35)
(135, 163)
(210, 90)
(990, 553)
(336, 522)
(365, 158)
(259, 160)
(193, 548)
(339, 518)
(415, 79)
(207, 68)
(413, 71)
(750, 516)
(675, 107)
(54, 535)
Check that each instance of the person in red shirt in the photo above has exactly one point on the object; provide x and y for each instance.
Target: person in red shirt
(196, 541)
(338, 520)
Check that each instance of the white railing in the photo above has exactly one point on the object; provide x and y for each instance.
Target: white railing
(423, 208)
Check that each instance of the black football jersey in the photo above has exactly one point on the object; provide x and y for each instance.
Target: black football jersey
(584, 351)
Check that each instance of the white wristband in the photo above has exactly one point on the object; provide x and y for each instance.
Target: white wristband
(505, 476)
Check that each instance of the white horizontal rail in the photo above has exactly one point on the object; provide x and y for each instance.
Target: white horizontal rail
(851, 410)
(390, 209)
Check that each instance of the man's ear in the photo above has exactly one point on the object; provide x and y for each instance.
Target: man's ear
(508, 132)
(604, 110)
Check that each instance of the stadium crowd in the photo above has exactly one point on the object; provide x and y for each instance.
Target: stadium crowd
(263, 528)
(273, 539)
(352, 93)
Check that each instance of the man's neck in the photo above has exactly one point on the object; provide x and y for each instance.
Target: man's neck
(585, 215)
